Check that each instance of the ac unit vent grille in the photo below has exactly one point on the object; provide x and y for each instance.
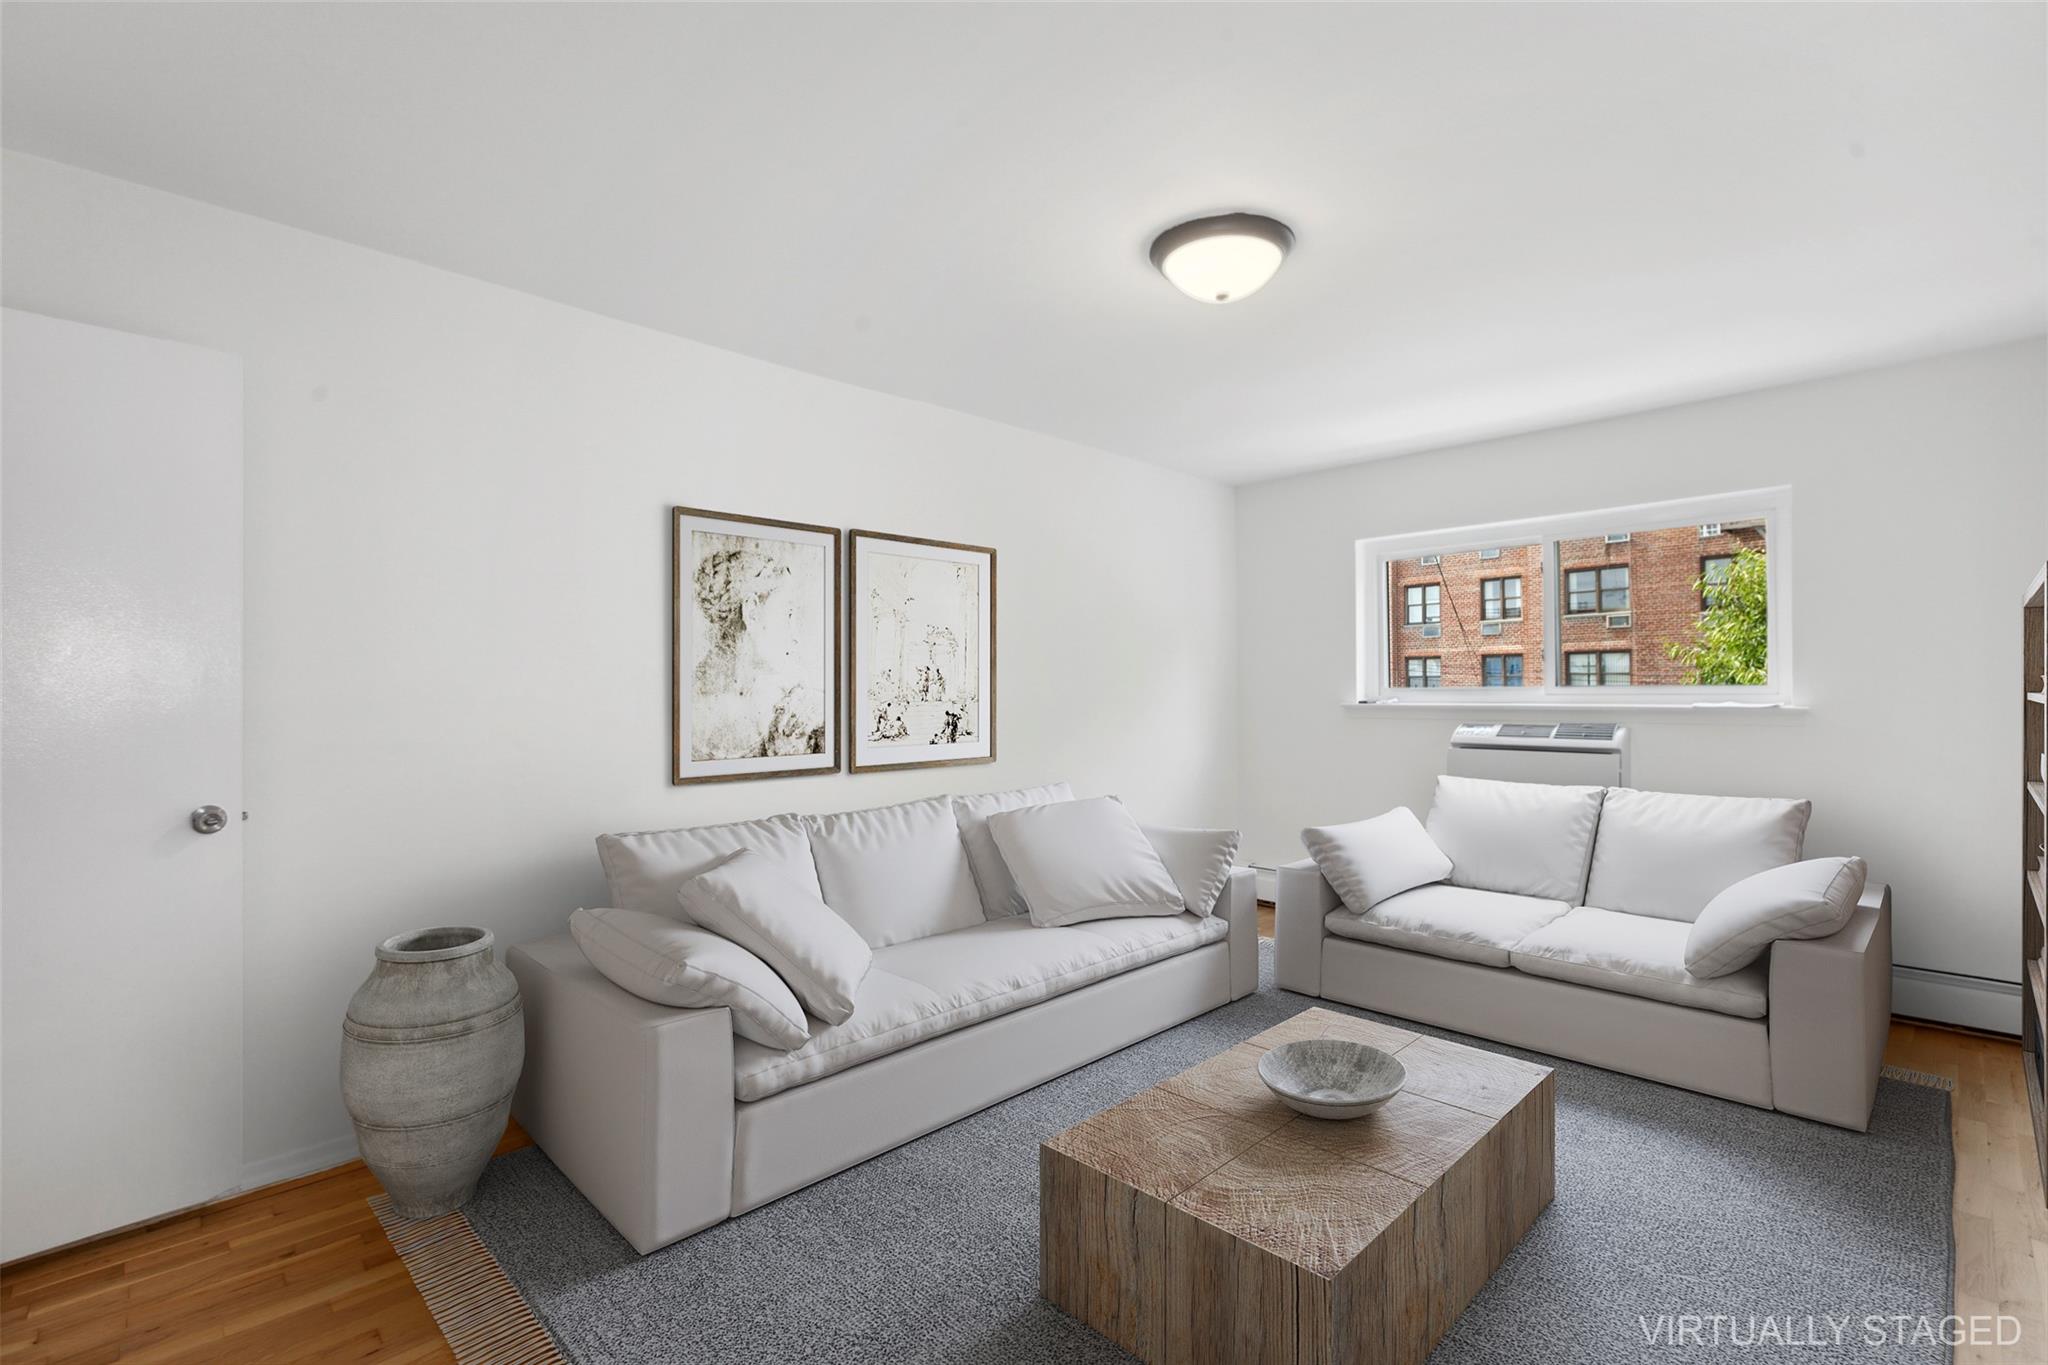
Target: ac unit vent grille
(1584, 730)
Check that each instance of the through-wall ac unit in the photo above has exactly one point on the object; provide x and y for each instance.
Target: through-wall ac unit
(1432, 632)
(1489, 627)
(1591, 754)
(1619, 620)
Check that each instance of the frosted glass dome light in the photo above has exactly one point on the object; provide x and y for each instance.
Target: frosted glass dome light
(1222, 259)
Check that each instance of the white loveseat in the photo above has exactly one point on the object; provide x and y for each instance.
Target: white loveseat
(669, 1123)
(1563, 927)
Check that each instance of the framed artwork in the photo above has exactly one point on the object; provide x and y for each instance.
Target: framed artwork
(923, 656)
(755, 688)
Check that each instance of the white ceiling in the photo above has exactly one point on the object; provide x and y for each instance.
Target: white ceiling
(1508, 216)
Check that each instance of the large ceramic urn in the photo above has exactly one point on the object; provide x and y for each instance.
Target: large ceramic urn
(431, 1050)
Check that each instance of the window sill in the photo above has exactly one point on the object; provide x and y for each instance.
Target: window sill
(1705, 710)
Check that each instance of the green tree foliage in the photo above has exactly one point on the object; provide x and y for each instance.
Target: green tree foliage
(1732, 646)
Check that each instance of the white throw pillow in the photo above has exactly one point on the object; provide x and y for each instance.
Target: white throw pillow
(1368, 861)
(644, 870)
(1668, 853)
(895, 873)
(1198, 860)
(1799, 900)
(760, 906)
(659, 958)
(999, 893)
(1520, 838)
(1083, 860)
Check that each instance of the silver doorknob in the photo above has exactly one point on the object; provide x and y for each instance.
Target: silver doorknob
(209, 819)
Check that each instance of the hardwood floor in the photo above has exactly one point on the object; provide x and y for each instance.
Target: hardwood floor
(293, 1272)
(302, 1272)
(2000, 1221)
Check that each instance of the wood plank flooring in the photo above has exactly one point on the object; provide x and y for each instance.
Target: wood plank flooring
(302, 1272)
(294, 1272)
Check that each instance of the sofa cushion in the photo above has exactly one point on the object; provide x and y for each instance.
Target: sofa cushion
(1369, 861)
(758, 905)
(999, 893)
(1637, 955)
(932, 986)
(1799, 900)
(1449, 921)
(895, 873)
(1198, 860)
(1668, 854)
(1522, 838)
(1084, 860)
(644, 870)
(662, 959)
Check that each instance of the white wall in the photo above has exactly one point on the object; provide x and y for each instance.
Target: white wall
(458, 576)
(1922, 512)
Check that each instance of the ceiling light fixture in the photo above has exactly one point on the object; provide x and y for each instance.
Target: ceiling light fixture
(1222, 259)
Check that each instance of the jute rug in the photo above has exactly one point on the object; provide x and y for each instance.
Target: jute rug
(1684, 1229)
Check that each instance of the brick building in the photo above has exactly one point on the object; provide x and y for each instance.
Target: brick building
(1475, 619)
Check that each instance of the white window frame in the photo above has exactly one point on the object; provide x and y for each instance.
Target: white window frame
(1370, 611)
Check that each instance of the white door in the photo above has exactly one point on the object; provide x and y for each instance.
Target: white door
(120, 923)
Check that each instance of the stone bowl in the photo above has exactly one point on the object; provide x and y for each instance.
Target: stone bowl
(1330, 1078)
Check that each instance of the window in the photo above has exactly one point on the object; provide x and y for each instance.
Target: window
(1596, 590)
(1601, 668)
(1714, 571)
(1500, 599)
(1653, 612)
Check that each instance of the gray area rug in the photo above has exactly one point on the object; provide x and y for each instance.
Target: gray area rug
(1684, 1228)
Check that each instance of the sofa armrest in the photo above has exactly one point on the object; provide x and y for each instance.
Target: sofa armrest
(1830, 1013)
(632, 1100)
(1301, 900)
(1239, 905)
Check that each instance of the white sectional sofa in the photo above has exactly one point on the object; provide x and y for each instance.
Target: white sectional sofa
(668, 1122)
(1562, 928)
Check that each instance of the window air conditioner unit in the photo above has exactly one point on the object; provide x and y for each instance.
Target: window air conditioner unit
(1428, 560)
(1620, 620)
(1592, 754)
(1489, 628)
(1432, 632)
(1489, 554)
(1710, 530)
(1621, 539)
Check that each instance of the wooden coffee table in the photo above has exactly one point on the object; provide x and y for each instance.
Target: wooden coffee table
(1203, 1220)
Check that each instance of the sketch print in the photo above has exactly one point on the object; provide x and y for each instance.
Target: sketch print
(926, 619)
(923, 685)
(757, 648)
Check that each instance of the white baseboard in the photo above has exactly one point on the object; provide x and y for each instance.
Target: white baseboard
(290, 1165)
(1971, 1001)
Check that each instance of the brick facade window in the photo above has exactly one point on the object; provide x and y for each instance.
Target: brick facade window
(1500, 599)
(1713, 569)
(1597, 668)
(1425, 604)
(1426, 671)
(1596, 590)
(1500, 670)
